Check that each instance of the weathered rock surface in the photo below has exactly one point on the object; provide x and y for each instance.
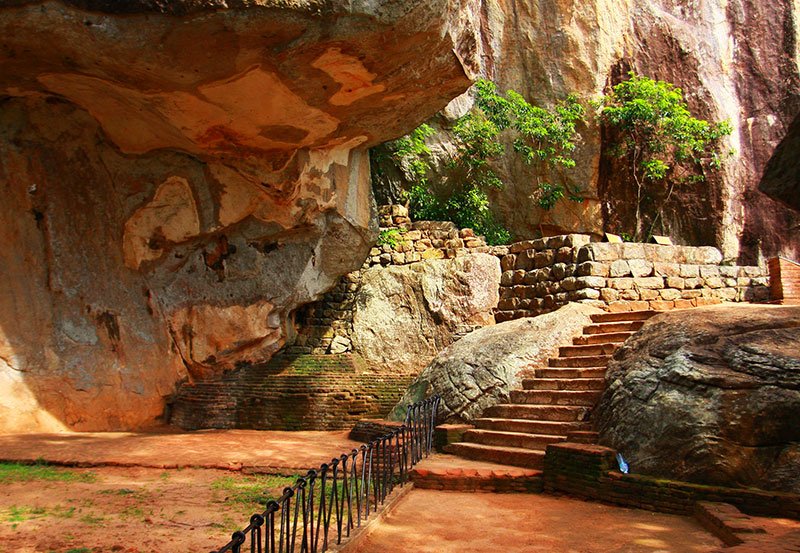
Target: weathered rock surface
(481, 369)
(709, 395)
(405, 315)
(782, 176)
(178, 177)
(735, 60)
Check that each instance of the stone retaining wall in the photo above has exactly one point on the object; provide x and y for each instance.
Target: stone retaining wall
(542, 275)
(589, 471)
(326, 326)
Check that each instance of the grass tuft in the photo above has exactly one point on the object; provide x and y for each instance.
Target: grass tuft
(252, 490)
(17, 472)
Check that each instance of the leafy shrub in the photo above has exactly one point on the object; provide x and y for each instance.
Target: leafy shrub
(543, 138)
(389, 237)
(663, 144)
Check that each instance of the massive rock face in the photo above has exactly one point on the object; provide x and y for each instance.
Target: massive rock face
(405, 315)
(782, 175)
(734, 59)
(481, 369)
(709, 395)
(177, 177)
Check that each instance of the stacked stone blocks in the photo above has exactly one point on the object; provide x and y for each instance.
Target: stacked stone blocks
(420, 240)
(544, 274)
(326, 326)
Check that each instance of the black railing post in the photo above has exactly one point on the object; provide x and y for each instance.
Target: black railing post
(383, 463)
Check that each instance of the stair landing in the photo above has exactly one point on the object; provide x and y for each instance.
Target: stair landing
(452, 473)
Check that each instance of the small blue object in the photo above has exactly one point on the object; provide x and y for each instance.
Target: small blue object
(623, 466)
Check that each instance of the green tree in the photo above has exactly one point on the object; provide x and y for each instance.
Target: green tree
(545, 139)
(662, 143)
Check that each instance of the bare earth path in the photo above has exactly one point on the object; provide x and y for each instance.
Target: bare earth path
(453, 522)
(265, 451)
(148, 492)
(178, 491)
(128, 509)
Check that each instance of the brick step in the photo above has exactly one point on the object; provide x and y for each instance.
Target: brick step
(613, 328)
(529, 458)
(583, 437)
(574, 384)
(623, 316)
(568, 413)
(556, 428)
(607, 348)
(576, 362)
(584, 372)
(448, 472)
(511, 439)
(509, 480)
(586, 398)
(612, 337)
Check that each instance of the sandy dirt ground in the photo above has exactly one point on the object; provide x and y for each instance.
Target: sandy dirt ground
(452, 522)
(268, 451)
(134, 510)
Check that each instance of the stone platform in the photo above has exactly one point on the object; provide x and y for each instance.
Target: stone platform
(448, 472)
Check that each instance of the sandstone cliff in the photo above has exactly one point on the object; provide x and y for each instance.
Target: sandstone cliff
(177, 177)
(734, 59)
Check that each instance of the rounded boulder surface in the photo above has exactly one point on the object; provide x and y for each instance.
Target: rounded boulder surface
(481, 369)
(711, 396)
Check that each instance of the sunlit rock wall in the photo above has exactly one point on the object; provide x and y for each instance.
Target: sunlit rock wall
(736, 60)
(178, 177)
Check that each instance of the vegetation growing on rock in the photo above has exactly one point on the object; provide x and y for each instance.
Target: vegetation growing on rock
(653, 132)
(499, 125)
(663, 145)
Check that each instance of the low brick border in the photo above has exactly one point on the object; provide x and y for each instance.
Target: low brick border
(360, 533)
(742, 533)
(589, 471)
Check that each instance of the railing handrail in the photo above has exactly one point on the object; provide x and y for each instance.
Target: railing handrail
(400, 449)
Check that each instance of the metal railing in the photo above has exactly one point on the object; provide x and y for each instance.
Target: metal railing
(328, 504)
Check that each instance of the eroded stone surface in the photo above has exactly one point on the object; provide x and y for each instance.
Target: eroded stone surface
(481, 369)
(405, 315)
(178, 179)
(709, 395)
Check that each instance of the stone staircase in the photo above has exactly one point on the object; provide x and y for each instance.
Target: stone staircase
(555, 401)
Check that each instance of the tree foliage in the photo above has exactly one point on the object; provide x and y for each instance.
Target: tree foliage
(662, 143)
(545, 139)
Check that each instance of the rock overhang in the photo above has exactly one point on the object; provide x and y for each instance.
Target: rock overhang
(250, 81)
(196, 170)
